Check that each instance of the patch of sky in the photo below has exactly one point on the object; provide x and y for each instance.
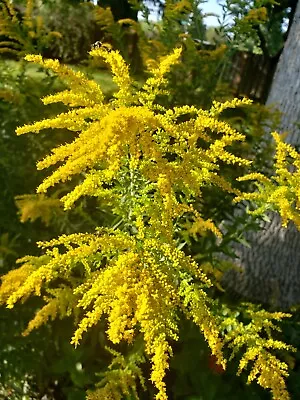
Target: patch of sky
(211, 8)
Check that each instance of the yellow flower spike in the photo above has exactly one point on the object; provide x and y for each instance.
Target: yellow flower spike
(32, 285)
(200, 225)
(14, 279)
(217, 107)
(120, 72)
(49, 311)
(69, 98)
(281, 191)
(255, 337)
(61, 304)
(75, 80)
(91, 186)
(74, 120)
(155, 84)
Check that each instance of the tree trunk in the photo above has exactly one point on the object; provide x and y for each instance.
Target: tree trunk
(285, 89)
(121, 9)
(270, 269)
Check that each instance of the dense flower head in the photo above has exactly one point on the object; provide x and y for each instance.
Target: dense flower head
(125, 282)
(150, 165)
(120, 378)
(158, 146)
(280, 192)
(255, 337)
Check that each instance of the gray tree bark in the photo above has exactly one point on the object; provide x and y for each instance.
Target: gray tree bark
(285, 89)
(270, 269)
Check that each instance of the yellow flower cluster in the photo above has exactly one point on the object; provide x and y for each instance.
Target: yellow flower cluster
(138, 289)
(130, 124)
(257, 15)
(120, 73)
(120, 379)
(281, 192)
(154, 85)
(150, 165)
(83, 91)
(33, 207)
(61, 303)
(256, 338)
(175, 9)
(135, 290)
(13, 280)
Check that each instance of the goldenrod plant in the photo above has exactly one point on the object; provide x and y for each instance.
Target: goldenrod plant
(143, 42)
(21, 34)
(256, 340)
(148, 164)
(279, 192)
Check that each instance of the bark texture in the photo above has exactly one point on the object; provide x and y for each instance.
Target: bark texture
(270, 269)
(285, 89)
